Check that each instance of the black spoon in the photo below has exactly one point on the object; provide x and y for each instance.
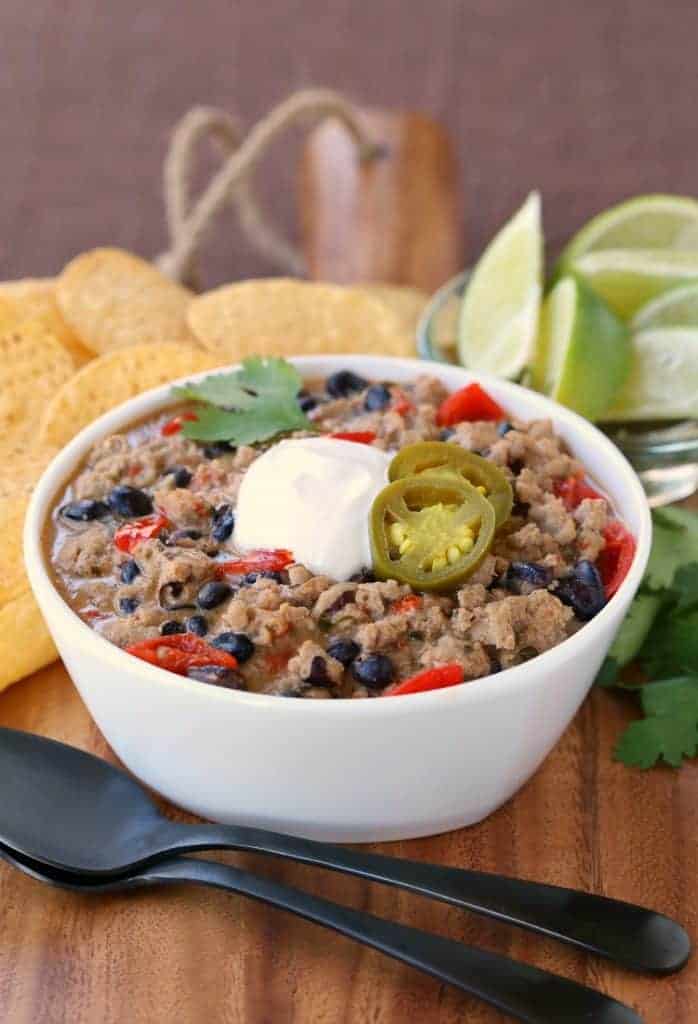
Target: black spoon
(75, 812)
(523, 991)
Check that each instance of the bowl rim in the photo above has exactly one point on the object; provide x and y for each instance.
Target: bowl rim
(78, 633)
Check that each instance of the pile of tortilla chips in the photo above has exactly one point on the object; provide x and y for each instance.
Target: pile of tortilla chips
(111, 326)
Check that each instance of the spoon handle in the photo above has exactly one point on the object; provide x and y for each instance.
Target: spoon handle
(633, 936)
(523, 991)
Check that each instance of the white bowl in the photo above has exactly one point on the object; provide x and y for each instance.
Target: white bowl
(343, 770)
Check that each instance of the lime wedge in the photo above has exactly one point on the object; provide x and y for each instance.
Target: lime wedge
(677, 308)
(627, 279)
(583, 353)
(499, 315)
(645, 222)
(663, 380)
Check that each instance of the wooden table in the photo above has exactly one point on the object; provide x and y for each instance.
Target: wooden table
(190, 956)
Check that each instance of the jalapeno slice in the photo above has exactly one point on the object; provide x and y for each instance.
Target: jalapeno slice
(442, 458)
(430, 531)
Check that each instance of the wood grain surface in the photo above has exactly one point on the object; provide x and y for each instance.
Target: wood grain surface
(191, 956)
(589, 103)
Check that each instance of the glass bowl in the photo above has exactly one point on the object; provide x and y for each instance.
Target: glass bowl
(665, 455)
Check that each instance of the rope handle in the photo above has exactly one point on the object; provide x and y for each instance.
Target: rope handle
(189, 221)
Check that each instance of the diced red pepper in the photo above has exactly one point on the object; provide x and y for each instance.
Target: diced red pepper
(430, 679)
(134, 469)
(406, 604)
(130, 535)
(179, 652)
(573, 491)
(470, 403)
(616, 557)
(401, 403)
(256, 561)
(174, 425)
(358, 436)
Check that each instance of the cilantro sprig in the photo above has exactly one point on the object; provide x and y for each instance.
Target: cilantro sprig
(661, 632)
(248, 405)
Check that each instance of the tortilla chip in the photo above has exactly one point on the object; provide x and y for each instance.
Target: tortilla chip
(113, 378)
(284, 317)
(407, 303)
(36, 299)
(21, 467)
(13, 579)
(24, 286)
(25, 642)
(112, 299)
(33, 366)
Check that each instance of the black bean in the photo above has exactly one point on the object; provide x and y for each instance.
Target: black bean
(128, 571)
(223, 523)
(169, 594)
(318, 672)
(237, 644)
(306, 401)
(583, 590)
(504, 428)
(516, 466)
(363, 576)
(197, 624)
(128, 605)
(446, 434)
(83, 511)
(343, 649)
(264, 574)
(213, 593)
(343, 383)
(377, 397)
(170, 627)
(182, 476)
(520, 573)
(216, 675)
(217, 449)
(129, 501)
(375, 671)
(520, 508)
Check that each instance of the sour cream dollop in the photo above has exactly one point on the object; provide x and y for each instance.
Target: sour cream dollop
(313, 496)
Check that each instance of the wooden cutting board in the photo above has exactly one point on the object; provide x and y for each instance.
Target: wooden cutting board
(190, 956)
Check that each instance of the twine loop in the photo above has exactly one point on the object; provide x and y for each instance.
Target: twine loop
(190, 221)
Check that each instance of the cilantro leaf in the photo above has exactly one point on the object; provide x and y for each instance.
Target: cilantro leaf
(661, 629)
(670, 730)
(672, 646)
(258, 378)
(678, 696)
(247, 426)
(248, 405)
(219, 389)
(607, 676)
(685, 587)
(635, 627)
(645, 742)
(674, 544)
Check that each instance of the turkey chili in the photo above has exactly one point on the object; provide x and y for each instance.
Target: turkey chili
(402, 539)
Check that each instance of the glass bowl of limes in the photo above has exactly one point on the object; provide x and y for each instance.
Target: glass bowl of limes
(611, 331)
